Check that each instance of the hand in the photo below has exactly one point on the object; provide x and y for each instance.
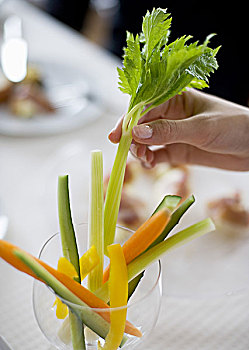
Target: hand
(192, 128)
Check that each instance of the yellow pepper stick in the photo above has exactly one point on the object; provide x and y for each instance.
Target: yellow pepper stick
(61, 309)
(88, 261)
(118, 288)
(68, 269)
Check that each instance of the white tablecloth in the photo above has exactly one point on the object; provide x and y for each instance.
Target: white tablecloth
(28, 171)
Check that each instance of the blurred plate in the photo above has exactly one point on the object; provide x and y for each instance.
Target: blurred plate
(74, 96)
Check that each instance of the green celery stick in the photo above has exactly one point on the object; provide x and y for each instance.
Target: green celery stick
(114, 190)
(153, 71)
(96, 218)
(178, 239)
(139, 264)
(70, 251)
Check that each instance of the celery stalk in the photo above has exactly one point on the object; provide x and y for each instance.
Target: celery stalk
(153, 72)
(139, 264)
(103, 292)
(114, 188)
(178, 239)
(70, 251)
(96, 217)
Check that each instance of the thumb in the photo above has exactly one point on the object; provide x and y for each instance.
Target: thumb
(164, 131)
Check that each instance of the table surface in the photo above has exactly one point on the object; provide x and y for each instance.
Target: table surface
(28, 172)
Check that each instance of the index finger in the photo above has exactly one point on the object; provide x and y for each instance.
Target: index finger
(115, 134)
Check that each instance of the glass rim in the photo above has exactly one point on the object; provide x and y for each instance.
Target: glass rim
(106, 309)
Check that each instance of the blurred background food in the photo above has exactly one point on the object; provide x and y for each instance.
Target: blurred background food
(5, 87)
(230, 214)
(144, 188)
(28, 97)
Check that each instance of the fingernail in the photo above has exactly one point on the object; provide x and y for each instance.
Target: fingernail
(110, 133)
(143, 131)
(112, 136)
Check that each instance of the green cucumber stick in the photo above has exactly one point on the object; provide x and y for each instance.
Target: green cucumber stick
(96, 218)
(77, 331)
(89, 317)
(70, 251)
(153, 71)
(68, 239)
(174, 219)
(170, 202)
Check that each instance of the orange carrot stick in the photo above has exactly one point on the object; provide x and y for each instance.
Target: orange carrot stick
(7, 253)
(143, 237)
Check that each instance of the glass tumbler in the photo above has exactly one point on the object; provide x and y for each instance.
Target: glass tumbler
(142, 309)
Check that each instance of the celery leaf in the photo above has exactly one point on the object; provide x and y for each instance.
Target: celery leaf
(155, 28)
(130, 75)
(155, 70)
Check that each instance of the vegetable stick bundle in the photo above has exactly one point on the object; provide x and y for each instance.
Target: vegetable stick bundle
(71, 290)
(154, 71)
